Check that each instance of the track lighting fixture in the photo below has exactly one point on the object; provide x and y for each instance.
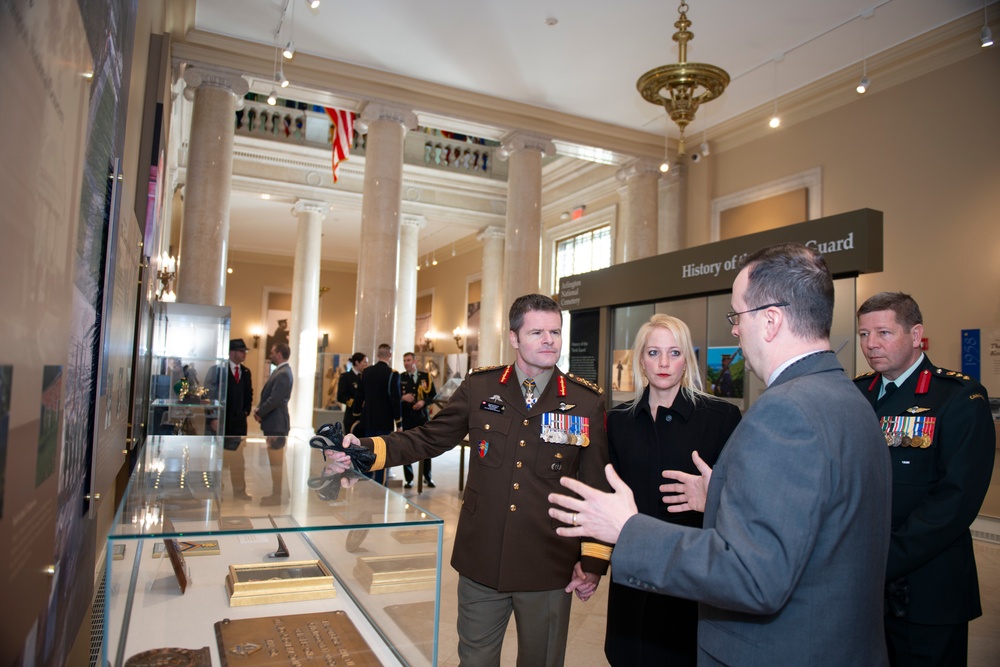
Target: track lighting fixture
(313, 4)
(775, 121)
(272, 99)
(985, 35)
(289, 51)
(863, 84)
(282, 79)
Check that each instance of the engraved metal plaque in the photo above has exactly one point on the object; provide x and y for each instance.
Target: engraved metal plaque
(172, 657)
(320, 639)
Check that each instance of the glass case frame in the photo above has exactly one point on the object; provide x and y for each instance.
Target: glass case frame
(383, 551)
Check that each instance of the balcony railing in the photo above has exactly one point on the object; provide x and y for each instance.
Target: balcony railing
(425, 147)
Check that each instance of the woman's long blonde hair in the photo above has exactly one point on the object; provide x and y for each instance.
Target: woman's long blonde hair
(691, 382)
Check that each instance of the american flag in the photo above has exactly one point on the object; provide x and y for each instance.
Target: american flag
(341, 135)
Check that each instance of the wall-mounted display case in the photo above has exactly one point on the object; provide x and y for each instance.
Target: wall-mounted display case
(189, 343)
(238, 555)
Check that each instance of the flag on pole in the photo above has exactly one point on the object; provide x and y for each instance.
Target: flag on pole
(341, 135)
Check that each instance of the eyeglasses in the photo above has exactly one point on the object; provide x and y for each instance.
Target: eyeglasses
(734, 318)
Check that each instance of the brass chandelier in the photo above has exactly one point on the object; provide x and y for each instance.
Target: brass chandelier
(682, 87)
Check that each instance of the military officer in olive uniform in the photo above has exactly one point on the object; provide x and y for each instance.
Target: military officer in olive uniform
(528, 425)
(938, 426)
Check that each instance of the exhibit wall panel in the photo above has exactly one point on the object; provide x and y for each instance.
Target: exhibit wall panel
(927, 163)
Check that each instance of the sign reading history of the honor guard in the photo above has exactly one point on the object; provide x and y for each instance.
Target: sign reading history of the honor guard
(851, 243)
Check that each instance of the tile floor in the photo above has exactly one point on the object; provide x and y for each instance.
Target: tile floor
(586, 633)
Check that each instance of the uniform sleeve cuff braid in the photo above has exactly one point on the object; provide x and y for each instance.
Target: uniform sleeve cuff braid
(378, 446)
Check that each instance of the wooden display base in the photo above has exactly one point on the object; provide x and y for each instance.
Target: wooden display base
(396, 574)
(267, 583)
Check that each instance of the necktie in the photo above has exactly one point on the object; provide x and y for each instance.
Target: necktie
(529, 393)
(889, 389)
(236, 373)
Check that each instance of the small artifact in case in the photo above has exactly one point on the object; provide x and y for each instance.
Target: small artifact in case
(266, 583)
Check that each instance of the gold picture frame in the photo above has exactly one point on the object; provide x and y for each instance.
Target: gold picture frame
(396, 574)
(268, 583)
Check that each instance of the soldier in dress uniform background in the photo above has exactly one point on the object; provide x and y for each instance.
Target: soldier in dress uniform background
(938, 426)
(418, 392)
(347, 388)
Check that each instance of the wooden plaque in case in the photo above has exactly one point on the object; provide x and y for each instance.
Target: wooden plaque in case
(395, 574)
(328, 638)
(266, 583)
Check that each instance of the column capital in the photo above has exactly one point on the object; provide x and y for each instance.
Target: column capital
(377, 111)
(310, 206)
(230, 80)
(492, 232)
(638, 167)
(409, 220)
(520, 140)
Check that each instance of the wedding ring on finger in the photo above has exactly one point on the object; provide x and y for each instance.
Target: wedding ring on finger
(574, 520)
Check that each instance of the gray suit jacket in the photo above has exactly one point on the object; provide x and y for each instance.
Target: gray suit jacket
(789, 568)
(273, 408)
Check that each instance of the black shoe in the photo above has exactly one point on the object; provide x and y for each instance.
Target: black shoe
(430, 484)
(408, 485)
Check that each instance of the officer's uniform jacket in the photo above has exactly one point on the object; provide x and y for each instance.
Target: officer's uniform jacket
(506, 539)
(939, 481)
(347, 390)
(423, 390)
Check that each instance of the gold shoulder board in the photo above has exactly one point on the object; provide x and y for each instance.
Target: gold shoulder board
(484, 369)
(586, 383)
(864, 375)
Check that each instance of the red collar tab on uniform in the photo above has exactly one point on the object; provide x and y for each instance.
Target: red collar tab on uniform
(506, 374)
(562, 386)
(924, 383)
(874, 380)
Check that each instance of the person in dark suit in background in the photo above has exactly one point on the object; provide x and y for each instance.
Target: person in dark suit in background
(272, 415)
(941, 438)
(418, 391)
(788, 566)
(347, 388)
(378, 404)
(239, 403)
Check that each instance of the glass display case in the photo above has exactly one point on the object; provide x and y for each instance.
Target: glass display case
(264, 553)
(190, 344)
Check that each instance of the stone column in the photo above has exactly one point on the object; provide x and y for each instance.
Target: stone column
(673, 209)
(304, 327)
(492, 310)
(201, 266)
(620, 224)
(406, 287)
(524, 217)
(639, 229)
(375, 305)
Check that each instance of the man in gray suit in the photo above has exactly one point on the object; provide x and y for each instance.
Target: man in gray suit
(788, 569)
(272, 415)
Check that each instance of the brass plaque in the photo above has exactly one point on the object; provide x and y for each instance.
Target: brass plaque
(328, 638)
(172, 657)
(265, 583)
(395, 574)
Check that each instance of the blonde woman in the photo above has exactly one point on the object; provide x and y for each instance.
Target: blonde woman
(669, 418)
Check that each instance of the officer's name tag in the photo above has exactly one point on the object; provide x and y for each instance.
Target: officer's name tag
(491, 407)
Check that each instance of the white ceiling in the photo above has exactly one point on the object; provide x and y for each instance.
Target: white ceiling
(588, 62)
